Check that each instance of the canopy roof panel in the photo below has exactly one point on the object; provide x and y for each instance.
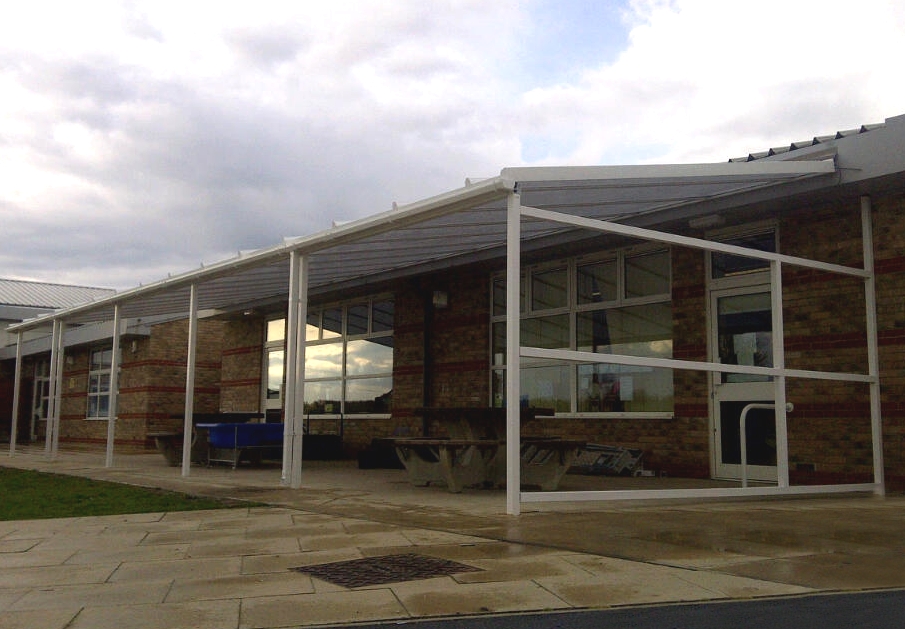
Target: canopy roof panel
(453, 228)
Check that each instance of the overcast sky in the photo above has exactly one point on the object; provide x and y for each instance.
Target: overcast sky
(141, 138)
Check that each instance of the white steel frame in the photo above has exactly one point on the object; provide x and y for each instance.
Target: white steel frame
(779, 372)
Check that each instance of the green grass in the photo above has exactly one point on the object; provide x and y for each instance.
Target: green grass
(28, 495)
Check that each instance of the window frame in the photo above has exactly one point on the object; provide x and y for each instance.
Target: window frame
(573, 309)
(344, 339)
(99, 374)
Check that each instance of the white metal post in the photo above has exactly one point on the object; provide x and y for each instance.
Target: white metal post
(779, 382)
(114, 386)
(17, 386)
(292, 330)
(190, 382)
(873, 353)
(53, 385)
(52, 438)
(513, 344)
(295, 477)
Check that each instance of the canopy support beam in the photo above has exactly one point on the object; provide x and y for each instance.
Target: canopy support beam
(873, 353)
(294, 399)
(513, 343)
(116, 357)
(17, 387)
(190, 382)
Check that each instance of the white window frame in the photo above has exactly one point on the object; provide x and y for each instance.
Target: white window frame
(343, 338)
(99, 374)
(572, 309)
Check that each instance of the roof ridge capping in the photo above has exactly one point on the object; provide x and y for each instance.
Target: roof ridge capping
(791, 152)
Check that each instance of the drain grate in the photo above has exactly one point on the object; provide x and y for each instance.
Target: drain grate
(385, 569)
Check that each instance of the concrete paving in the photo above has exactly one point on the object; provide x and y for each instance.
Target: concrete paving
(232, 567)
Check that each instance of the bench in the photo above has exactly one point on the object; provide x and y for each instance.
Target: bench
(231, 443)
(456, 463)
(474, 454)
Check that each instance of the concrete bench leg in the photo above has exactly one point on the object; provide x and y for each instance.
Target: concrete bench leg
(422, 468)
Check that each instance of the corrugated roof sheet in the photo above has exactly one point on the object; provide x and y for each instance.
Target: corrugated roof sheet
(795, 146)
(44, 295)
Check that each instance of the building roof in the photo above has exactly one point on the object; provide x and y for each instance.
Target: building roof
(815, 141)
(47, 296)
(469, 224)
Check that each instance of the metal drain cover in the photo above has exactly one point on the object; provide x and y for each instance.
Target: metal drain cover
(385, 569)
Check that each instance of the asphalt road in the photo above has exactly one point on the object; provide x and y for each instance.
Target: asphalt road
(862, 610)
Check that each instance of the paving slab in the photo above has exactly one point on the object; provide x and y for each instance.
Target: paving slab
(233, 567)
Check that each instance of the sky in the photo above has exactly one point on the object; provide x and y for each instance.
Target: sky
(139, 139)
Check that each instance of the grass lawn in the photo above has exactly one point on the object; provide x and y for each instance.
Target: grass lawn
(27, 495)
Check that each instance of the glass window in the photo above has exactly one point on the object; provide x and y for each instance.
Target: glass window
(313, 326)
(99, 363)
(276, 330)
(357, 321)
(382, 313)
(275, 360)
(323, 397)
(596, 282)
(365, 357)
(546, 332)
(549, 289)
(369, 395)
(604, 316)
(345, 373)
(647, 275)
(726, 265)
(324, 360)
(333, 323)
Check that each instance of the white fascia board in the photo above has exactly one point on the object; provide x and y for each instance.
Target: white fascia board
(670, 171)
(461, 198)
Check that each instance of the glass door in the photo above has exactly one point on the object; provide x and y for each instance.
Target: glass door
(742, 334)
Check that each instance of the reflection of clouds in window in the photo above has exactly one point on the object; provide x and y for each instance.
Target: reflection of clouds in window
(364, 357)
(323, 361)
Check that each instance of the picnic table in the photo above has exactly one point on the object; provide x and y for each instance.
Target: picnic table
(474, 452)
(170, 442)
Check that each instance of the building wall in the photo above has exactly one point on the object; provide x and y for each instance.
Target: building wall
(243, 351)
(152, 385)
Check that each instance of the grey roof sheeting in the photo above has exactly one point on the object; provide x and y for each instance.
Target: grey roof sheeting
(468, 224)
(794, 146)
(44, 295)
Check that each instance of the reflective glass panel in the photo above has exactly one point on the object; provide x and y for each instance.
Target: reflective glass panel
(324, 360)
(276, 330)
(549, 289)
(323, 398)
(726, 265)
(275, 361)
(745, 334)
(365, 356)
(545, 332)
(597, 282)
(312, 327)
(101, 359)
(382, 316)
(357, 322)
(369, 395)
(546, 387)
(333, 322)
(647, 275)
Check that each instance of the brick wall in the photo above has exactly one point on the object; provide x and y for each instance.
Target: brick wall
(151, 388)
(240, 384)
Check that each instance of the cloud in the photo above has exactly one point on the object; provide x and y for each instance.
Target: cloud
(140, 138)
(703, 80)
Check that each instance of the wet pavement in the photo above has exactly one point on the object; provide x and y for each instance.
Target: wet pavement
(233, 567)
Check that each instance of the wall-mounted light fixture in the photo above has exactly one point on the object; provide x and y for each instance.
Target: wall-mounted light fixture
(440, 299)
